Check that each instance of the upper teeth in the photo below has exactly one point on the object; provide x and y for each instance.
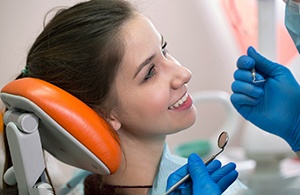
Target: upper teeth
(179, 102)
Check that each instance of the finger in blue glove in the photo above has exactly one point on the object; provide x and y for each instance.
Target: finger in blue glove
(274, 105)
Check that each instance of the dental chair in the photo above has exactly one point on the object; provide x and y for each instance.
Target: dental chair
(42, 116)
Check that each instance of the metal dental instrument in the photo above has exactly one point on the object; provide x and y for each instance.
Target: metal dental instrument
(222, 142)
(254, 77)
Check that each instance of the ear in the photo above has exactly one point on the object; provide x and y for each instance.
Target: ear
(113, 121)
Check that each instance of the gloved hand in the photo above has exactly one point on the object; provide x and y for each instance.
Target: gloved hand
(273, 105)
(204, 180)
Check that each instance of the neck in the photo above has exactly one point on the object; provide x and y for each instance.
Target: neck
(140, 163)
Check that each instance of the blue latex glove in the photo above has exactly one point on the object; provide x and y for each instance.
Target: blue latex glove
(273, 105)
(205, 180)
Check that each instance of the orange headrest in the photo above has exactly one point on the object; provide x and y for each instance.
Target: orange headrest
(69, 128)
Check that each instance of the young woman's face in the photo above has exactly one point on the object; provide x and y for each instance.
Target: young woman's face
(151, 85)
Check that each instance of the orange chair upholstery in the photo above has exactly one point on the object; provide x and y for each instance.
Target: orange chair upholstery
(69, 129)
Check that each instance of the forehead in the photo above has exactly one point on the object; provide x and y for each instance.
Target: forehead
(138, 29)
(140, 39)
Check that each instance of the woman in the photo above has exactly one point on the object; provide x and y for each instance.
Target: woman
(111, 57)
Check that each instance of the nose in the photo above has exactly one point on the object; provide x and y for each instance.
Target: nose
(180, 76)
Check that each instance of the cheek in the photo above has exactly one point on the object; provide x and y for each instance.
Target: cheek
(151, 103)
(139, 112)
(159, 95)
(142, 103)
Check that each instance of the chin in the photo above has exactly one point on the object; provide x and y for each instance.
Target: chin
(185, 126)
(190, 120)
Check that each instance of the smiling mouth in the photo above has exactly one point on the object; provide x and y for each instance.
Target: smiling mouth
(179, 102)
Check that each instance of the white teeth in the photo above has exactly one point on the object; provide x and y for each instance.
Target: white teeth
(179, 102)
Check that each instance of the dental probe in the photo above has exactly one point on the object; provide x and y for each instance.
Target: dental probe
(253, 72)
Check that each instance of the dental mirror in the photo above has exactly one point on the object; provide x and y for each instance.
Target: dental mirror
(222, 142)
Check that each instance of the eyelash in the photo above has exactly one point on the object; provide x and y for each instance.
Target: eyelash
(151, 71)
(163, 49)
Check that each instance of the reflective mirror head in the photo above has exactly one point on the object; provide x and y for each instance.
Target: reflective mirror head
(223, 139)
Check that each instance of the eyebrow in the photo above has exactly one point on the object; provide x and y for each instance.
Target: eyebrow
(143, 64)
(147, 61)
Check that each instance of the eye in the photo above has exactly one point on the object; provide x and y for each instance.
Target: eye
(150, 73)
(163, 49)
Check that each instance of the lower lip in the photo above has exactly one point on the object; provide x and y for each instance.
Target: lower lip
(186, 105)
